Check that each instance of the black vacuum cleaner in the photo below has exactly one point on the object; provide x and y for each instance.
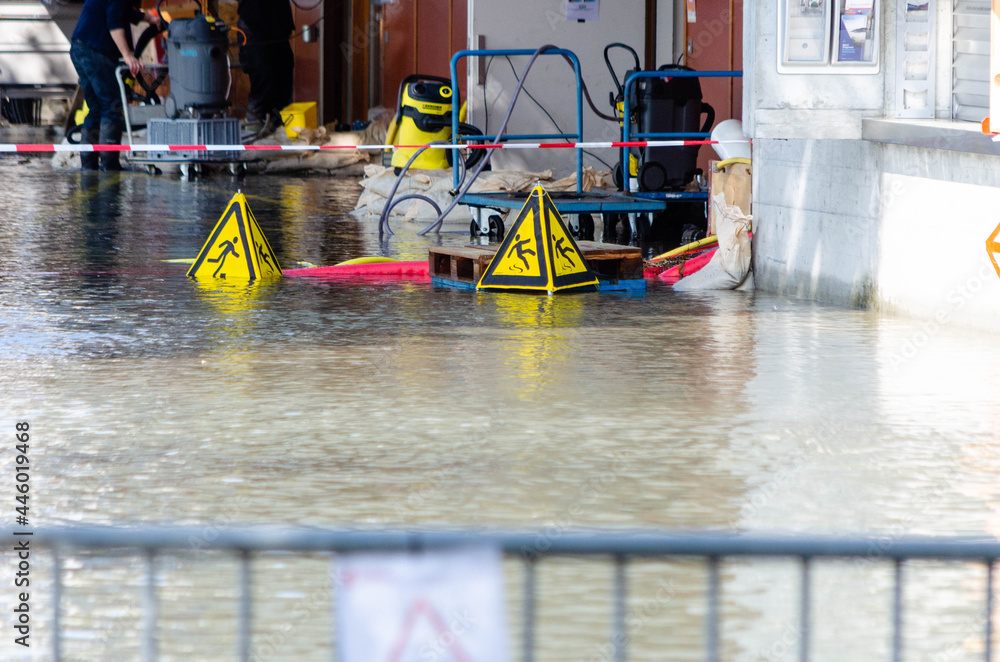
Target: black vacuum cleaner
(661, 105)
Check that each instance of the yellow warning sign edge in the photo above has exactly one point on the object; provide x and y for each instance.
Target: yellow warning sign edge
(539, 282)
(247, 223)
(539, 203)
(993, 247)
(256, 227)
(577, 279)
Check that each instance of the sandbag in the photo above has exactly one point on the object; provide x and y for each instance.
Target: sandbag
(437, 185)
(729, 267)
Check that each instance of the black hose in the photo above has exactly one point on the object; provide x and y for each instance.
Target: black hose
(464, 163)
(409, 196)
(470, 131)
(709, 117)
(463, 187)
(590, 102)
(607, 61)
(383, 219)
(145, 38)
(436, 225)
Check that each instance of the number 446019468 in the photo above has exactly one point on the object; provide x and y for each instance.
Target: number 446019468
(22, 476)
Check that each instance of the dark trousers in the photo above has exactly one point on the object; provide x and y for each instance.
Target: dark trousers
(269, 67)
(105, 122)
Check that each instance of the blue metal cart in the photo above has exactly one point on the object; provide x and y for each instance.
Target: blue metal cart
(575, 206)
(628, 136)
(570, 205)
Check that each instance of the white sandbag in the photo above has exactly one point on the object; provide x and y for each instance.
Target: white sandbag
(437, 185)
(320, 161)
(316, 161)
(66, 160)
(434, 184)
(730, 266)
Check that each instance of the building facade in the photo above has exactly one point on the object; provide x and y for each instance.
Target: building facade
(873, 183)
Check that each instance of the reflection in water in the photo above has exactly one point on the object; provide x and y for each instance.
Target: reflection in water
(536, 348)
(160, 399)
(101, 205)
(232, 315)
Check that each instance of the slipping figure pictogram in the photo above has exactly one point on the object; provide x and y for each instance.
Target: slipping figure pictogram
(565, 251)
(227, 248)
(252, 257)
(521, 251)
(265, 257)
(538, 254)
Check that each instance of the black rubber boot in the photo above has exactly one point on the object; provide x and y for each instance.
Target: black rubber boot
(89, 160)
(111, 135)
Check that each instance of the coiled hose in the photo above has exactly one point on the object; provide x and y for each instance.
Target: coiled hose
(463, 187)
(392, 200)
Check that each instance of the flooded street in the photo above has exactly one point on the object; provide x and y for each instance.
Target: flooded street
(154, 399)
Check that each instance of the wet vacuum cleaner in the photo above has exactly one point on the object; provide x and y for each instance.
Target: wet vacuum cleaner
(660, 105)
(423, 116)
(196, 108)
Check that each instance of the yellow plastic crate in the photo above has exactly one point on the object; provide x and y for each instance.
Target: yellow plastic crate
(301, 114)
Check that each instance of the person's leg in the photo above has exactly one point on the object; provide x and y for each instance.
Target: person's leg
(275, 82)
(111, 134)
(112, 120)
(255, 67)
(283, 62)
(273, 77)
(91, 135)
(92, 122)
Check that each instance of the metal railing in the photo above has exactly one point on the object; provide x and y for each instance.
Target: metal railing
(578, 136)
(529, 546)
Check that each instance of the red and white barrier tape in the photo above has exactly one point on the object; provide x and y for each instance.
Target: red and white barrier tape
(28, 147)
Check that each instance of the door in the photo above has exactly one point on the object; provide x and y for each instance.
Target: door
(419, 37)
(714, 42)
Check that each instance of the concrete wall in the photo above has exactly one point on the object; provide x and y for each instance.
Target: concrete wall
(665, 46)
(815, 205)
(937, 209)
(807, 106)
(34, 49)
(896, 227)
(529, 24)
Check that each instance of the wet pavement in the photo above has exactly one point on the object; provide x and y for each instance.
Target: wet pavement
(156, 399)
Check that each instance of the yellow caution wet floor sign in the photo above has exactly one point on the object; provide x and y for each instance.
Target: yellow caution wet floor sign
(237, 248)
(993, 248)
(538, 254)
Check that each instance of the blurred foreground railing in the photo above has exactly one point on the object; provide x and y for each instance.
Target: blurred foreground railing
(529, 546)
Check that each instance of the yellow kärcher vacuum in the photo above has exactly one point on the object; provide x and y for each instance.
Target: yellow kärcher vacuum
(424, 116)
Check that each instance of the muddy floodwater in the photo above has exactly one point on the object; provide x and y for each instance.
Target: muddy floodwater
(154, 399)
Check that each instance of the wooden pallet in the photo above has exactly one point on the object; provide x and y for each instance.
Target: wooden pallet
(459, 264)
(611, 261)
(466, 264)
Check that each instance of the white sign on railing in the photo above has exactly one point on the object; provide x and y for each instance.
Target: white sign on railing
(444, 606)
